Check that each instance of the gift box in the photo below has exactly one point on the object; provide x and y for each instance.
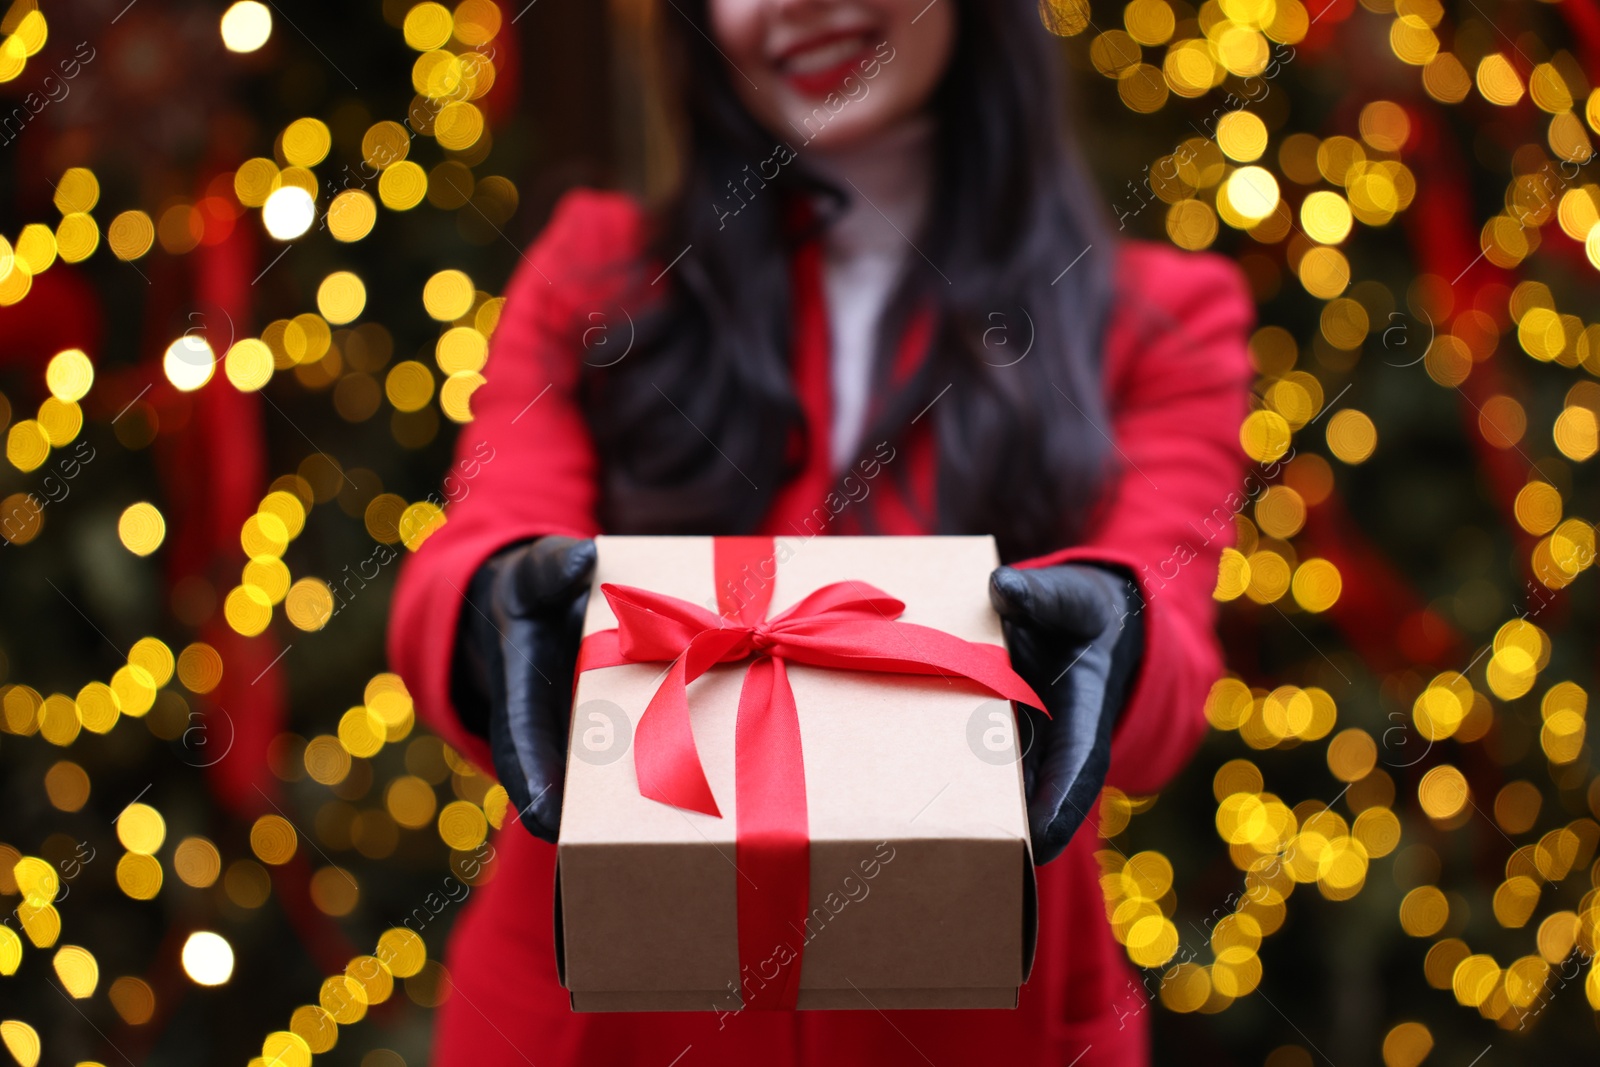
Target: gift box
(793, 781)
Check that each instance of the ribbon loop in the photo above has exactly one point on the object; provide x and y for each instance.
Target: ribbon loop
(652, 627)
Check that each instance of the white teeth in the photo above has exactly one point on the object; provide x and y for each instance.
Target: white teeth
(824, 56)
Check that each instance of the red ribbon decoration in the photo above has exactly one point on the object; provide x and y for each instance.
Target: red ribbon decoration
(845, 626)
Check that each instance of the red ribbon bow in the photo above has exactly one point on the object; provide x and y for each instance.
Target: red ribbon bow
(846, 626)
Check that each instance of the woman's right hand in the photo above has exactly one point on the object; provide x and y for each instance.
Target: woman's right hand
(516, 650)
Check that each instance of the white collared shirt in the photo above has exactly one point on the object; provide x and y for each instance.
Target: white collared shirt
(887, 182)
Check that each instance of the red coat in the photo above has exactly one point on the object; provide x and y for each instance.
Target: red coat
(1177, 375)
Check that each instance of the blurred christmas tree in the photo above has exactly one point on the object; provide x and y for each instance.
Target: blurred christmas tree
(1404, 740)
(226, 413)
(246, 286)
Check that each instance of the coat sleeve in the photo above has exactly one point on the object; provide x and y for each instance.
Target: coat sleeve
(524, 466)
(1178, 373)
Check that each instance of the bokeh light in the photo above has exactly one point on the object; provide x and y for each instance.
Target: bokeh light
(288, 212)
(246, 26)
(207, 958)
(141, 528)
(189, 362)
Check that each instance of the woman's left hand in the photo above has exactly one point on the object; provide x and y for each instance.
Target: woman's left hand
(1076, 637)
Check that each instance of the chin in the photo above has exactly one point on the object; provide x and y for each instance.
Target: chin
(853, 124)
(839, 136)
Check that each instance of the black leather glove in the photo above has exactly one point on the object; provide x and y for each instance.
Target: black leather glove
(511, 678)
(1076, 636)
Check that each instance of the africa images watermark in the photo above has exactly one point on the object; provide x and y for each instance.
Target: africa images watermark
(408, 531)
(1172, 165)
(852, 890)
(33, 905)
(456, 890)
(29, 510)
(12, 125)
(855, 89)
(853, 488)
(602, 731)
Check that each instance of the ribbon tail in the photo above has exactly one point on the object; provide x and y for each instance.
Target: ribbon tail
(896, 647)
(664, 753)
(773, 843)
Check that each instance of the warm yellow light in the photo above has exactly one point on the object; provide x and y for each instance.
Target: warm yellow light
(1317, 585)
(341, 297)
(1264, 435)
(1385, 125)
(1407, 1045)
(197, 862)
(130, 235)
(77, 192)
(247, 609)
(1326, 217)
(246, 26)
(428, 26)
(455, 396)
(207, 958)
(77, 969)
(1233, 575)
(248, 365)
(139, 876)
(1498, 80)
(141, 529)
(1191, 224)
(288, 212)
(1576, 433)
(21, 1040)
(306, 142)
(477, 22)
(462, 825)
(77, 237)
(448, 295)
(273, 839)
(351, 215)
(36, 247)
(409, 386)
(152, 655)
(402, 186)
(268, 574)
(309, 604)
(141, 829)
(199, 668)
(69, 375)
(1241, 135)
(189, 362)
(1352, 436)
(254, 180)
(1253, 192)
(10, 951)
(458, 126)
(1443, 792)
(1538, 507)
(417, 523)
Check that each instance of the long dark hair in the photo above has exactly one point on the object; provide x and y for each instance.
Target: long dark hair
(1022, 445)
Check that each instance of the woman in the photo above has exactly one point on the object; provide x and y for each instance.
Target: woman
(883, 255)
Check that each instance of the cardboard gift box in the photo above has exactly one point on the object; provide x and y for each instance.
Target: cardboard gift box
(863, 845)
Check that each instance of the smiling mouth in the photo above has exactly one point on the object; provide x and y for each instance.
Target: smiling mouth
(822, 64)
